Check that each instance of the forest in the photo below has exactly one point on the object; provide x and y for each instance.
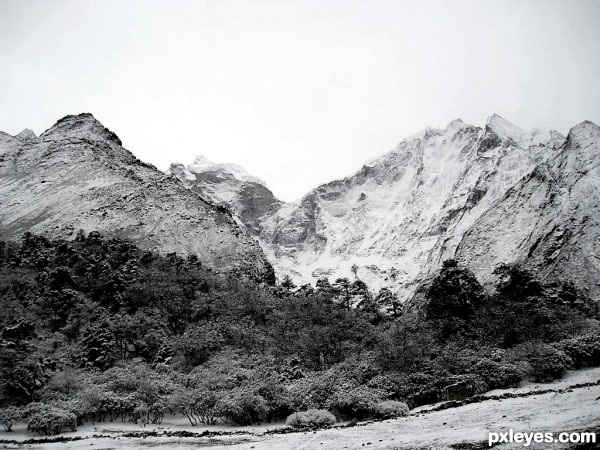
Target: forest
(97, 329)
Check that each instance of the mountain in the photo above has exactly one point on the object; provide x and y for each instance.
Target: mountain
(550, 219)
(231, 186)
(77, 175)
(391, 223)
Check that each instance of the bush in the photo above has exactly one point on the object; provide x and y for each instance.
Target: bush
(422, 389)
(242, 408)
(9, 416)
(497, 375)
(205, 406)
(310, 419)
(388, 384)
(46, 419)
(312, 392)
(390, 409)
(584, 350)
(546, 362)
(354, 401)
(464, 386)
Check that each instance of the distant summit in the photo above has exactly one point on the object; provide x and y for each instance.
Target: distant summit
(26, 135)
(229, 185)
(81, 125)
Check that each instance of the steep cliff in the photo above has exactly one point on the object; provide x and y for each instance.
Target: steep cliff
(550, 220)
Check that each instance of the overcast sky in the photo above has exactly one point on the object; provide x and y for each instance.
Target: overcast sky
(297, 92)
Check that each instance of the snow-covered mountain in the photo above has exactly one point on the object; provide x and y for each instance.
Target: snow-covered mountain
(77, 175)
(551, 218)
(392, 222)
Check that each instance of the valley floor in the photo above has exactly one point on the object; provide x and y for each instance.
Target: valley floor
(568, 407)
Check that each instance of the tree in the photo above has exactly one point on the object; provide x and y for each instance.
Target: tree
(515, 282)
(287, 284)
(452, 298)
(388, 302)
(342, 290)
(9, 416)
(324, 287)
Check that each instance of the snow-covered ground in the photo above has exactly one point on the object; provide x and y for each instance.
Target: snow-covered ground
(571, 409)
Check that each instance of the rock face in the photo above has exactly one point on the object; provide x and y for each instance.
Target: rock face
(231, 186)
(77, 175)
(393, 222)
(550, 219)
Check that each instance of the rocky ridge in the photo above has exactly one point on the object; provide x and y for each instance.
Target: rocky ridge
(76, 175)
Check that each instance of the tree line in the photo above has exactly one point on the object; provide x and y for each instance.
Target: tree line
(97, 329)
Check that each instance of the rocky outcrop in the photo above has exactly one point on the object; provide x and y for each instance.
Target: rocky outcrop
(550, 220)
(76, 175)
(231, 186)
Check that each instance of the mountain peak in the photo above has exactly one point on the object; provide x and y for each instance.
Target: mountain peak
(456, 125)
(83, 125)
(26, 135)
(456, 122)
(202, 164)
(585, 127)
(504, 129)
(507, 131)
(583, 132)
(583, 139)
(180, 171)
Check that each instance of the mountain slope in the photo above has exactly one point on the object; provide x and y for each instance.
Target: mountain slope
(392, 222)
(77, 175)
(483, 195)
(550, 219)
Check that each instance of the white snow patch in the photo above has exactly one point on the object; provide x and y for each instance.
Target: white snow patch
(202, 165)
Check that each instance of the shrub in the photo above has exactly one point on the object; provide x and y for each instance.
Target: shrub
(456, 360)
(205, 406)
(390, 409)
(182, 401)
(422, 389)
(584, 350)
(388, 384)
(242, 408)
(9, 416)
(46, 419)
(497, 375)
(355, 401)
(275, 394)
(312, 392)
(463, 386)
(546, 363)
(311, 418)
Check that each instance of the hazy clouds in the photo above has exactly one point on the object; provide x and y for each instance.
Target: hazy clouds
(298, 92)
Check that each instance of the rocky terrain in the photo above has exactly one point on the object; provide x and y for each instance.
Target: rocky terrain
(551, 218)
(393, 222)
(77, 176)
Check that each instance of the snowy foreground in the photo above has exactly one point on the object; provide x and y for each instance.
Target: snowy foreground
(568, 407)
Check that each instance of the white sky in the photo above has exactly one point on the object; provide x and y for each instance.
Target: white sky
(297, 92)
